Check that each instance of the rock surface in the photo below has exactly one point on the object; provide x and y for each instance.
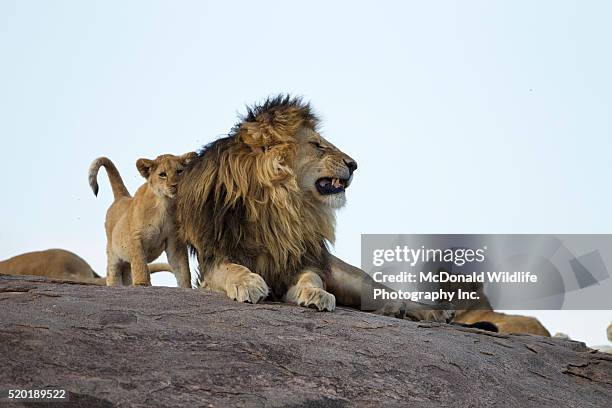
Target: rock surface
(158, 347)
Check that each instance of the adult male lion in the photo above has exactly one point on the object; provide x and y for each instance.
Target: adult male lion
(257, 207)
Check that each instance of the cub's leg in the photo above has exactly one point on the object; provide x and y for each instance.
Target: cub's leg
(113, 270)
(309, 291)
(138, 263)
(126, 273)
(179, 261)
(237, 282)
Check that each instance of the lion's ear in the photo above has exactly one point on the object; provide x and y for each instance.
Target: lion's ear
(270, 129)
(144, 167)
(255, 136)
(188, 157)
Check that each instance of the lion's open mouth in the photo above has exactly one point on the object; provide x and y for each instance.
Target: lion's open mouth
(328, 185)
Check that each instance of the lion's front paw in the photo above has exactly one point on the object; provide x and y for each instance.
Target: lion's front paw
(445, 316)
(393, 309)
(438, 316)
(316, 298)
(407, 310)
(249, 287)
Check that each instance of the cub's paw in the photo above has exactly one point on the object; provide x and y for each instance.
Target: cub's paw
(248, 287)
(316, 298)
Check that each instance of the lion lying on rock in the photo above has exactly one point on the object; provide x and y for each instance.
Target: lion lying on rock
(471, 312)
(59, 264)
(257, 208)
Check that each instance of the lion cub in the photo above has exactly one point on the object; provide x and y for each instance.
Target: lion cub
(139, 229)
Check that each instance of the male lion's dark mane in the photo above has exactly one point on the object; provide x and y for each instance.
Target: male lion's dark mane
(280, 104)
(239, 200)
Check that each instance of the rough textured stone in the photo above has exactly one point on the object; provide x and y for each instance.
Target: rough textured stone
(150, 347)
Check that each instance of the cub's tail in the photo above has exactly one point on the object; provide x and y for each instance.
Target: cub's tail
(114, 177)
(159, 267)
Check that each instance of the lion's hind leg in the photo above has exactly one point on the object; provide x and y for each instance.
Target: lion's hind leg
(237, 282)
(113, 270)
(351, 284)
(309, 291)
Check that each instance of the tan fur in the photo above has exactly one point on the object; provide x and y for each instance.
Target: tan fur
(59, 264)
(309, 291)
(348, 283)
(250, 208)
(473, 311)
(237, 281)
(505, 323)
(139, 229)
(51, 263)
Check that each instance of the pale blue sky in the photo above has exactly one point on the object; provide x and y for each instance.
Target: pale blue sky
(465, 117)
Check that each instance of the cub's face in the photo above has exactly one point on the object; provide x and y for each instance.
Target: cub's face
(164, 173)
(322, 170)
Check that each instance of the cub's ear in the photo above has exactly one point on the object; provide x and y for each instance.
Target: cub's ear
(188, 157)
(144, 167)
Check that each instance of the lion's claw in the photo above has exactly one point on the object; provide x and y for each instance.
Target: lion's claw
(250, 288)
(404, 310)
(316, 298)
(438, 316)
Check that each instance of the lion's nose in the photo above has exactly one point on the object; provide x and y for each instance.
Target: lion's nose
(351, 164)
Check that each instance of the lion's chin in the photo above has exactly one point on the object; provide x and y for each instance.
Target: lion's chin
(333, 200)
